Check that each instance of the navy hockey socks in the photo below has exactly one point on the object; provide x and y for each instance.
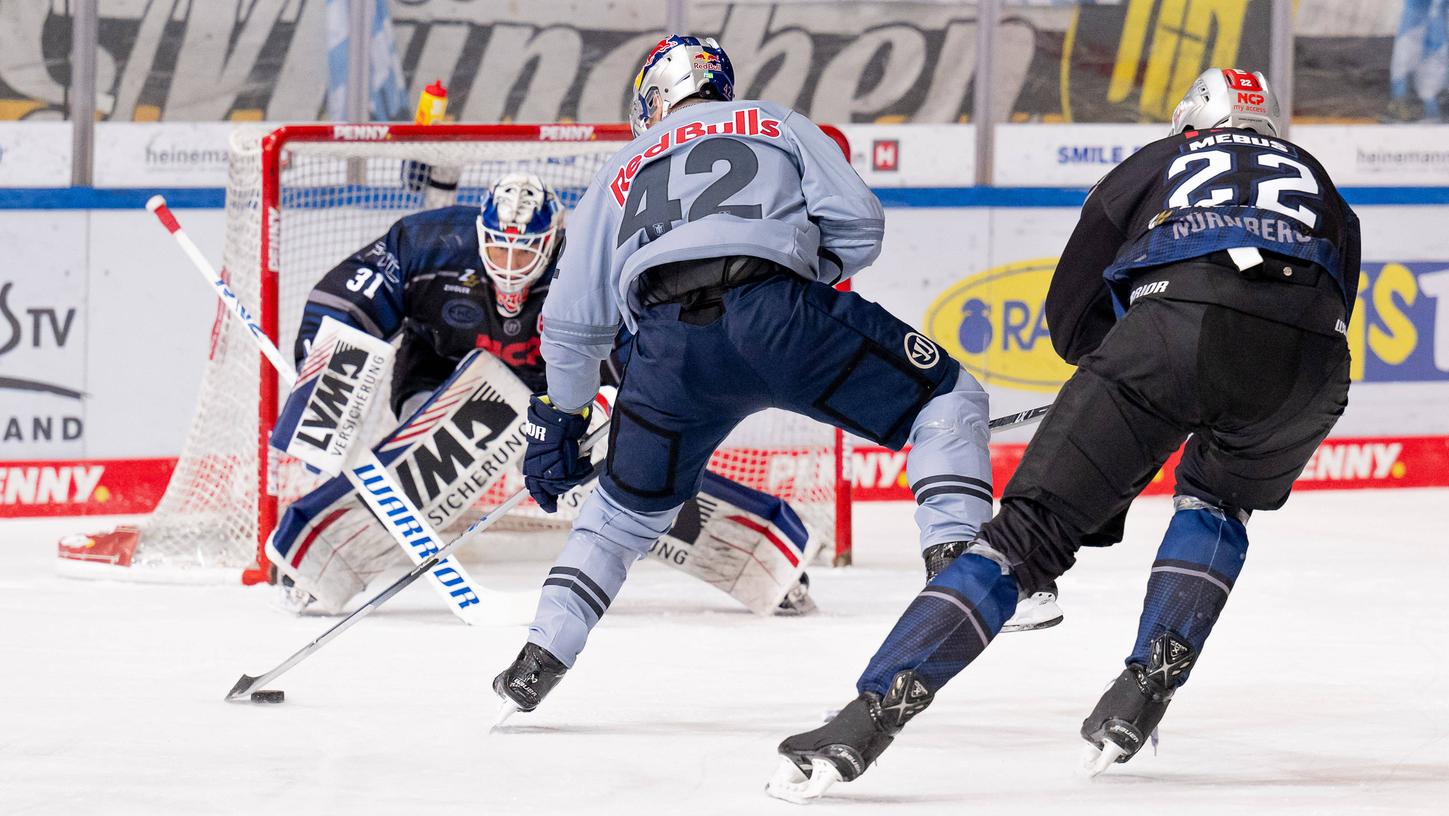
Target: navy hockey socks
(946, 626)
(1200, 558)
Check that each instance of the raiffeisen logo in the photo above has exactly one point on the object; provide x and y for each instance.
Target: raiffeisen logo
(994, 324)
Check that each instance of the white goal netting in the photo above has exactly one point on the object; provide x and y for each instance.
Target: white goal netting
(333, 191)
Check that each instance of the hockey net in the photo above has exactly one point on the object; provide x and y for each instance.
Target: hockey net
(300, 199)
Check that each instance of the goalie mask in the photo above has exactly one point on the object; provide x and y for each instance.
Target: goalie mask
(677, 68)
(1228, 98)
(517, 237)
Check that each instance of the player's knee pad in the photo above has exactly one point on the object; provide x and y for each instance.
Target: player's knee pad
(610, 521)
(960, 413)
(1201, 555)
(947, 625)
(949, 466)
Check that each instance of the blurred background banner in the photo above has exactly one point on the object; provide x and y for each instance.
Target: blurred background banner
(386, 98)
(1355, 61)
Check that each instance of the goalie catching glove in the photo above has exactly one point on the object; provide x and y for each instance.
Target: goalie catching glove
(553, 465)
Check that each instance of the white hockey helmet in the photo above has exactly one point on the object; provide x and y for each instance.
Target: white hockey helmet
(1227, 97)
(518, 231)
(679, 67)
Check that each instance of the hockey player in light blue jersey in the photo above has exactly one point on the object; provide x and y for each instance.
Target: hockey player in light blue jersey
(458, 284)
(716, 237)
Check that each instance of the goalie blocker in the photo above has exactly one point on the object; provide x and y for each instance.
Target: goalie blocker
(467, 436)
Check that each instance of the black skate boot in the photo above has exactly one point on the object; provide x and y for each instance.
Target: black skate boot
(939, 556)
(525, 683)
(1127, 715)
(843, 748)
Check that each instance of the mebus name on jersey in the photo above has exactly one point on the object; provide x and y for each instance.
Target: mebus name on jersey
(1237, 138)
(746, 122)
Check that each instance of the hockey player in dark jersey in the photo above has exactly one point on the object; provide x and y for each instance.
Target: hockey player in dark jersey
(450, 284)
(1203, 296)
(422, 280)
(443, 282)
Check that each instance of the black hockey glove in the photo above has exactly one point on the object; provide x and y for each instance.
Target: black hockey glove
(552, 465)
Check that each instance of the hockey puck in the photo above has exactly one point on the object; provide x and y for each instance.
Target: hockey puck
(268, 696)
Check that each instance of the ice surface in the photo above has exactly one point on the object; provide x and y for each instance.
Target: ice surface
(1323, 690)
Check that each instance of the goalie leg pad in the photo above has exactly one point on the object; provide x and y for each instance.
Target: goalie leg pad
(1201, 555)
(949, 465)
(452, 444)
(746, 543)
(330, 545)
(947, 625)
(605, 542)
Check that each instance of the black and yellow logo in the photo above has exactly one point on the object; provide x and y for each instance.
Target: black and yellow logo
(1132, 62)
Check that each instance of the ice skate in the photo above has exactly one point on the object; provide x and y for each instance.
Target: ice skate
(1126, 717)
(798, 601)
(1035, 610)
(843, 748)
(525, 683)
(291, 598)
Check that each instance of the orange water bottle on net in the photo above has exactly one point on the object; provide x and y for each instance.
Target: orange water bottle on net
(432, 104)
(437, 183)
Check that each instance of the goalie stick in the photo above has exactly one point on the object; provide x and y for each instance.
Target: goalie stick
(408, 528)
(247, 684)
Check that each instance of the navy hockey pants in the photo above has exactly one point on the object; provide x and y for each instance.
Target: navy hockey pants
(781, 342)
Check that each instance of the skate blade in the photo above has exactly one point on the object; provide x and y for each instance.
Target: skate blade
(506, 709)
(1034, 615)
(1095, 761)
(1032, 626)
(791, 785)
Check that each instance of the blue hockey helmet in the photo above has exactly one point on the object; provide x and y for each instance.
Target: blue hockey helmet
(677, 68)
(518, 234)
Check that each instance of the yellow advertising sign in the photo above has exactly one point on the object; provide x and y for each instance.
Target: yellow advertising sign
(994, 324)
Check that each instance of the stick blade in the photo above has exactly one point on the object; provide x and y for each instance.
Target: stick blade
(242, 689)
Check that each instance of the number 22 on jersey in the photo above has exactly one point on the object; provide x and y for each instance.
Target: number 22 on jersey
(1268, 176)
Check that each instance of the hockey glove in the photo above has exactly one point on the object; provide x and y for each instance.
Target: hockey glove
(552, 465)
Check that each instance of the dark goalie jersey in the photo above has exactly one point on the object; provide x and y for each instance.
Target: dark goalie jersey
(1196, 195)
(425, 279)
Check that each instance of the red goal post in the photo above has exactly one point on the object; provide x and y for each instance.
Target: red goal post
(283, 149)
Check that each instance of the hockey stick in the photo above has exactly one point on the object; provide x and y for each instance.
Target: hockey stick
(1016, 420)
(369, 477)
(247, 684)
